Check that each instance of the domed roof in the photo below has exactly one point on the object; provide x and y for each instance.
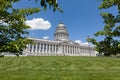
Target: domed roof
(61, 25)
(61, 28)
(61, 32)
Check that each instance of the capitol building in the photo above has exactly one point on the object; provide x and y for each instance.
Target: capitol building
(60, 46)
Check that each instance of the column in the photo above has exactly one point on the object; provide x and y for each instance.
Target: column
(62, 49)
(43, 48)
(74, 49)
(82, 50)
(69, 50)
(66, 49)
(28, 47)
(49, 48)
(52, 49)
(79, 50)
(46, 50)
(39, 47)
(55, 48)
(32, 48)
(36, 47)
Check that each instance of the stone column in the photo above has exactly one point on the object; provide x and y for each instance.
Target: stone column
(39, 47)
(69, 49)
(46, 48)
(28, 47)
(73, 49)
(55, 48)
(76, 50)
(79, 50)
(49, 48)
(64, 49)
(36, 47)
(52, 48)
(43, 48)
(32, 48)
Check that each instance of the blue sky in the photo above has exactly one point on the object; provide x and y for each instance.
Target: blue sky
(81, 17)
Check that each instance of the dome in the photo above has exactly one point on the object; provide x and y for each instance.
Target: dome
(61, 25)
(61, 32)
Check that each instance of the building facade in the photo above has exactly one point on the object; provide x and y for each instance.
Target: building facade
(60, 46)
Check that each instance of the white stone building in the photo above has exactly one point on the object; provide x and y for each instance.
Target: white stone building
(60, 46)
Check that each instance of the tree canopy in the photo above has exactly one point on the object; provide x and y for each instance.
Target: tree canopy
(111, 32)
(12, 24)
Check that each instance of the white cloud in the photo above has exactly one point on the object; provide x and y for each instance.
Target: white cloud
(46, 37)
(78, 41)
(86, 43)
(38, 23)
(82, 43)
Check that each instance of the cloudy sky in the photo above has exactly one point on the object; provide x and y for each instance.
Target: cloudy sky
(81, 17)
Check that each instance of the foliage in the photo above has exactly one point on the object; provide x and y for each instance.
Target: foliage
(52, 3)
(111, 32)
(59, 68)
(13, 27)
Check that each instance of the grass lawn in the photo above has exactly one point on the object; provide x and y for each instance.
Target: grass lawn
(59, 68)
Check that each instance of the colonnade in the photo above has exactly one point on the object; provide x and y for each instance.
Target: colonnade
(55, 49)
(70, 49)
(39, 48)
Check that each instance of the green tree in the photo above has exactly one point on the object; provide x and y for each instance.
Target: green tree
(13, 27)
(111, 32)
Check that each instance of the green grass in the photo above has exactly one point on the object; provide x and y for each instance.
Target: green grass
(59, 68)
